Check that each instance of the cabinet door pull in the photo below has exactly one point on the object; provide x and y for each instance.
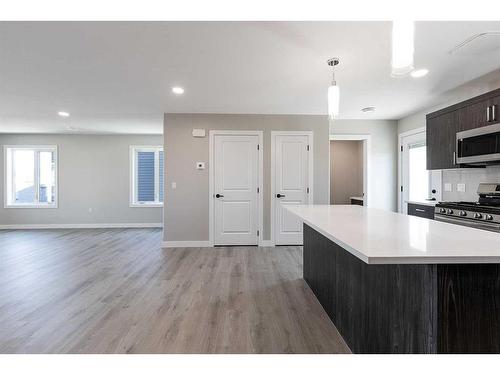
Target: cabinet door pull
(419, 210)
(488, 114)
(494, 112)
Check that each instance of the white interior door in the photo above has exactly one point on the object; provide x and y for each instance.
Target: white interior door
(417, 183)
(291, 185)
(236, 173)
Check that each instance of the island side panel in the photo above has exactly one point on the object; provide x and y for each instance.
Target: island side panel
(376, 308)
(469, 308)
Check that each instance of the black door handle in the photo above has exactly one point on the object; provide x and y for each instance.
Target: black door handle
(279, 195)
(218, 196)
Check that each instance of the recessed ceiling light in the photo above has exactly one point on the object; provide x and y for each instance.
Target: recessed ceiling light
(368, 109)
(178, 90)
(63, 114)
(419, 73)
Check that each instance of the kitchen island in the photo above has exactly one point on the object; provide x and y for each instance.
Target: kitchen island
(394, 283)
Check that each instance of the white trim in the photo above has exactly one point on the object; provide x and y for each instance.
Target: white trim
(133, 176)
(81, 226)
(310, 167)
(367, 147)
(211, 179)
(437, 174)
(421, 129)
(52, 148)
(267, 243)
(170, 244)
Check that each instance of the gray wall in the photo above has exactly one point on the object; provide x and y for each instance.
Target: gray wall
(382, 189)
(93, 173)
(186, 211)
(346, 171)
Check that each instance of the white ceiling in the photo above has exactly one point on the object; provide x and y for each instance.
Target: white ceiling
(117, 76)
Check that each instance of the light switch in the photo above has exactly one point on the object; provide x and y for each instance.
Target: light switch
(461, 188)
(174, 185)
(200, 165)
(447, 187)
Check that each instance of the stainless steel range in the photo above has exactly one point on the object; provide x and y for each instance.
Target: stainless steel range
(483, 214)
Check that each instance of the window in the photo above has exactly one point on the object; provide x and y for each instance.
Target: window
(146, 176)
(30, 176)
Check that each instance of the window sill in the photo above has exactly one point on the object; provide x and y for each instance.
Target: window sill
(145, 205)
(30, 206)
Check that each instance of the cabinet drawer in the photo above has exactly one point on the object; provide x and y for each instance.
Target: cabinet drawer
(421, 210)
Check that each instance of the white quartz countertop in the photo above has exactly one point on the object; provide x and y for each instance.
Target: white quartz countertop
(382, 237)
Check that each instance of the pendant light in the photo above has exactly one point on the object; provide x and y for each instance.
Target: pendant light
(402, 47)
(333, 92)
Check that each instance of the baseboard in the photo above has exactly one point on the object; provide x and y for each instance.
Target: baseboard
(82, 226)
(267, 243)
(186, 244)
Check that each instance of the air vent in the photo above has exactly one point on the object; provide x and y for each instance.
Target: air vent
(478, 44)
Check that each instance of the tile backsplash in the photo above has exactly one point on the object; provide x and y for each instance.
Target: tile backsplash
(471, 178)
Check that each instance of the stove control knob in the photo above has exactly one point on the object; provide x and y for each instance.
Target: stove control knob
(478, 216)
(442, 210)
(463, 213)
(489, 217)
(449, 211)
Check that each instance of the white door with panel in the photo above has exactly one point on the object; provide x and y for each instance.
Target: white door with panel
(236, 183)
(292, 184)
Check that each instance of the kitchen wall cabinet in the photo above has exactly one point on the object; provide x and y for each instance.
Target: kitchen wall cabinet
(443, 125)
(441, 133)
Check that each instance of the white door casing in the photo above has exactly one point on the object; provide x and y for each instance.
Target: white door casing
(291, 183)
(406, 141)
(236, 182)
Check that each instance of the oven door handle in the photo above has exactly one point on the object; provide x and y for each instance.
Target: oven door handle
(468, 223)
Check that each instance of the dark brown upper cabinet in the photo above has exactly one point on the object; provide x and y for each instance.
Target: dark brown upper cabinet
(474, 116)
(441, 131)
(443, 125)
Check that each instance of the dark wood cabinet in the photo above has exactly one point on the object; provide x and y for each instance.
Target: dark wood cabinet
(475, 115)
(443, 125)
(441, 136)
(421, 210)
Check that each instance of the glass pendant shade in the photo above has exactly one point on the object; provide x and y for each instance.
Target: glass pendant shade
(333, 101)
(402, 47)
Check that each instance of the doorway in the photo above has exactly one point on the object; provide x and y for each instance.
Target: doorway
(235, 187)
(349, 167)
(291, 183)
(417, 184)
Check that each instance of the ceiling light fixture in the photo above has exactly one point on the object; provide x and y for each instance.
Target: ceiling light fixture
(368, 109)
(419, 73)
(63, 114)
(333, 91)
(178, 90)
(402, 47)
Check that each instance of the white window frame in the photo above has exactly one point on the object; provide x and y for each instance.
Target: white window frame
(9, 177)
(134, 150)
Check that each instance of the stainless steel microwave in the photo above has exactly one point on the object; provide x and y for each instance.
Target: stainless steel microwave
(479, 146)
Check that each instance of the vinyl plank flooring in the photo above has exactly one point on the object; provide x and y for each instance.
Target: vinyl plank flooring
(118, 291)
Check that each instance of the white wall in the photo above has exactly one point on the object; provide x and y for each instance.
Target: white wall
(93, 172)
(382, 176)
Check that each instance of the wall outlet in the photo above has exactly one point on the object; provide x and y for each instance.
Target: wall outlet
(447, 187)
(174, 185)
(461, 188)
(90, 209)
(198, 133)
(200, 165)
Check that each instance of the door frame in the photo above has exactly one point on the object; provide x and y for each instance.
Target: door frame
(310, 166)
(211, 180)
(434, 174)
(367, 146)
